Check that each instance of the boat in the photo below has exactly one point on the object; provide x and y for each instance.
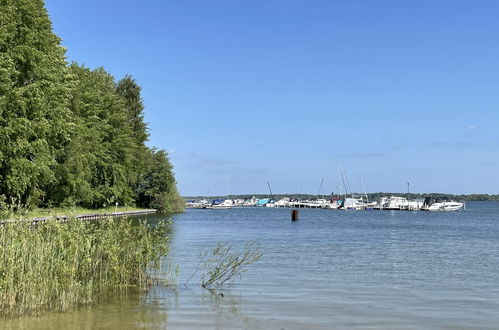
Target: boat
(267, 202)
(441, 204)
(262, 202)
(250, 202)
(364, 205)
(283, 202)
(398, 203)
(239, 202)
(350, 203)
(222, 205)
(393, 203)
(198, 204)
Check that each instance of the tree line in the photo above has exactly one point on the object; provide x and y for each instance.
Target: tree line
(71, 136)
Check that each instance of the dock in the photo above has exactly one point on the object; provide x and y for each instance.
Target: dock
(90, 216)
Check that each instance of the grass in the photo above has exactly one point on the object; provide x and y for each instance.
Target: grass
(57, 266)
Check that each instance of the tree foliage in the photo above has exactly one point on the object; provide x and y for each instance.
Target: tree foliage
(70, 135)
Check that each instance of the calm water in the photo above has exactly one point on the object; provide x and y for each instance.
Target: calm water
(330, 270)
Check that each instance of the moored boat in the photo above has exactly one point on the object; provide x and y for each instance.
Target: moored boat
(198, 204)
(441, 204)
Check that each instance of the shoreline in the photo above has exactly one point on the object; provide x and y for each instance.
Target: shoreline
(85, 216)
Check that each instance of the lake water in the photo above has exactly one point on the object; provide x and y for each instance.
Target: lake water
(329, 270)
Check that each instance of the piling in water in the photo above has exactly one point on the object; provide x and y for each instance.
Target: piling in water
(294, 215)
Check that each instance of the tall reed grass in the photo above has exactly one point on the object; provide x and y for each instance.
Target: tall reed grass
(57, 265)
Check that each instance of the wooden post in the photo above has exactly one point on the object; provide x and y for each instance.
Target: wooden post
(294, 215)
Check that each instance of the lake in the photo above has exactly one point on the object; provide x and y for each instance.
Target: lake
(329, 270)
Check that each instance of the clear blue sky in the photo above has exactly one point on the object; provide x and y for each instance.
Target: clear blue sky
(241, 92)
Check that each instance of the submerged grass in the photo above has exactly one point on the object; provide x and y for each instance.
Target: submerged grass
(57, 266)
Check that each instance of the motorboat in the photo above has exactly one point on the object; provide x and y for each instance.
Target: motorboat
(198, 204)
(363, 205)
(250, 201)
(226, 204)
(283, 202)
(262, 202)
(441, 204)
(398, 203)
(350, 203)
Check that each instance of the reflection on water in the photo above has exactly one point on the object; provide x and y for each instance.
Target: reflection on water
(133, 310)
(329, 270)
(120, 311)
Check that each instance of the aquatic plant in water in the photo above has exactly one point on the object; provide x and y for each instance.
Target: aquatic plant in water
(222, 265)
(57, 266)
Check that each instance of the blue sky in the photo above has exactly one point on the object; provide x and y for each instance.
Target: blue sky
(241, 92)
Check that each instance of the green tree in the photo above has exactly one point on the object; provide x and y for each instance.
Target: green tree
(151, 174)
(157, 188)
(129, 90)
(35, 86)
(95, 164)
(70, 135)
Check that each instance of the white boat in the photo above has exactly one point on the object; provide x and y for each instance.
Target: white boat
(238, 202)
(353, 203)
(441, 205)
(350, 203)
(321, 203)
(307, 204)
(199, 204)
(364, 205)
(283, 202)
(446, 206)
(226, 204)
(415, 205)
(398, 203)
(250, 202)
(333, 204)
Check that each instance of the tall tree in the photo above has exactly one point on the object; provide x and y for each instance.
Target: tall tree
(157, 188)
(95, 165)
(34, 92)
(130, 91)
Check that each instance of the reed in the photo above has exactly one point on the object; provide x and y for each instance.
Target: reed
(57, 265)
(222, 265)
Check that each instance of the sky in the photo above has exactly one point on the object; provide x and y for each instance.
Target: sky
(241, 93)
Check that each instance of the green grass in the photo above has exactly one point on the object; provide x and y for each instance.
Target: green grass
(57, 266)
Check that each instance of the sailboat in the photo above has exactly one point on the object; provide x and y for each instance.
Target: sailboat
(348, 203)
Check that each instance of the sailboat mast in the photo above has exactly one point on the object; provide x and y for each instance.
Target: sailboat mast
(320, 187)
(270, 190)
(342, 177)
(363, 190)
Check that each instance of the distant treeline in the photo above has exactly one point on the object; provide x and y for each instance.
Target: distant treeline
(70, 135)
(371, 196)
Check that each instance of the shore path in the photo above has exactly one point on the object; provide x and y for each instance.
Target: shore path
(90, 216)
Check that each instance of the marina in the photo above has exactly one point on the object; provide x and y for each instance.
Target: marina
(391, 203)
